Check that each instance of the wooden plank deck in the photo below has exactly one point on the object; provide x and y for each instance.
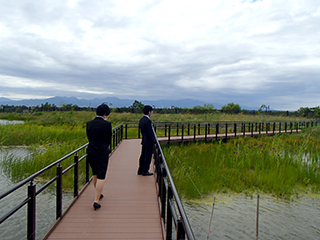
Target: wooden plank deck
(129, 209)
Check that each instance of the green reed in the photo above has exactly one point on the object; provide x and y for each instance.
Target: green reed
(281, 165)
(52, 135)
(18, 168)
(27, 134)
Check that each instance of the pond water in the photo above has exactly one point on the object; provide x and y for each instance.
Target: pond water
(15, 227)
(234, 217)
(4, 122)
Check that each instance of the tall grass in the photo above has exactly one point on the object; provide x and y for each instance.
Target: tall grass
(54, 134)
(18, 168)
(282, 165)
(27, 134)
(81, 117)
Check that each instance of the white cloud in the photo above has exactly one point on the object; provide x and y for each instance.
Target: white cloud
(236, 49)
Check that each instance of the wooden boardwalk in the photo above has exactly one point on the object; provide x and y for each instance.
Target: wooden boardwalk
(202, 137)
(129, 209)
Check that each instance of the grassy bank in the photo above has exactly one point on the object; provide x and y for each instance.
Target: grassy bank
(283, 165)
(51, 135)
(81, 117)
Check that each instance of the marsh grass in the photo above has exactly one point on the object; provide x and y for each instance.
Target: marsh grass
(18, 168)
(281, 165)
(52, 135)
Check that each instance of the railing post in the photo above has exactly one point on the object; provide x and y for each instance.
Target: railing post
(188, 129)
(180, 230)
(59, 192)
(244, 129)
(226, 130)
(251, 129)
(199, 129)
(76, 176)
(121, 135)
(194, 132)
(169, 215)
(285, 126)
(177, 129)
(31, 228)
(117, 138)
(235, 129)
(126, 131)
(163, 193)
(113, 140)
(259, 128)
(279, 127)
(165, 130)
(274, 127)
(87, 171)
(208, 128)
(217, 131)
(169, 135)
(121, 132)
(182, 132)
(206, 133)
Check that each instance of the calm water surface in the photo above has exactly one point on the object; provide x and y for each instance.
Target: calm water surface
(234, 217)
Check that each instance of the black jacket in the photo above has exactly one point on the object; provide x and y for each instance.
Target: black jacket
(146, 131)
(99, 133)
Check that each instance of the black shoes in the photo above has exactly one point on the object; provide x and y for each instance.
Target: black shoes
(144, 173)
(147, 174)
(96, 206)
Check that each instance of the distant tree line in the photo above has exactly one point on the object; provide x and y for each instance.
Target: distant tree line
(136, 107)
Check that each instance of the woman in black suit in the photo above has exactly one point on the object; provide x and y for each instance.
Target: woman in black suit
(99, 133)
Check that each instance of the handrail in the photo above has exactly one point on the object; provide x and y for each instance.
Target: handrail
(178, 131)
(167, 191)
(30, 200)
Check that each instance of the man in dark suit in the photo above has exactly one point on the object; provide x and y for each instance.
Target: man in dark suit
(99, 133)
(147, 142)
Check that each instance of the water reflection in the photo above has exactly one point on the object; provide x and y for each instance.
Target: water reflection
(6, 122)
(234, 217)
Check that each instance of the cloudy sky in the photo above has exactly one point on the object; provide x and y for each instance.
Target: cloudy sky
(250, 52)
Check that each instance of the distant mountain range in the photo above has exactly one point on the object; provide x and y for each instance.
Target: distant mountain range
(111, 101)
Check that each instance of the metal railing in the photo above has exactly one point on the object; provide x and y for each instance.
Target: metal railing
(171, 208)
(221, 129)
(186, 131)
(32, 192)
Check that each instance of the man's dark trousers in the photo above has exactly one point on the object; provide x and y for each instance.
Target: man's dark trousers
(145, 158)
